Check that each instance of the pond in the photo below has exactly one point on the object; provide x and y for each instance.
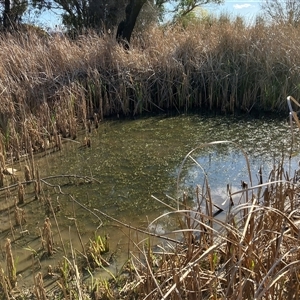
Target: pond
(135, 159)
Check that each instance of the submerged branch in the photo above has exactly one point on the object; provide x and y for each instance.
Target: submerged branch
(138, 229)
(86, 178)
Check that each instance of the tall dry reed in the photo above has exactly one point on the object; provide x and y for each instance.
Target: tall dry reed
(49, 85)
(253, 253)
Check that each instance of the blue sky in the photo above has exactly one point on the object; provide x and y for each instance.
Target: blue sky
(247, 9)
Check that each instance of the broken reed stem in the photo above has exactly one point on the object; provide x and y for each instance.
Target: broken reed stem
(57, 226)
(58, 141)
(19, 216)
(1, 177)
(47, 237)
(27, 174)
(39, 289)
(10, 264)
(21, 193)
(2, 161)
(81, 242)
(37, 184)
(4, 283)
(10, 219)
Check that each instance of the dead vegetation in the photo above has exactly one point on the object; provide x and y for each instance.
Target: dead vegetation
(62, 86)
(50, 85)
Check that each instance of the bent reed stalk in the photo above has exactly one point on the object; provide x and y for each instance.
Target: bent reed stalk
(252, 254)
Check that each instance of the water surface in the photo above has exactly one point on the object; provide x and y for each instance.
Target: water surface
(134, 159)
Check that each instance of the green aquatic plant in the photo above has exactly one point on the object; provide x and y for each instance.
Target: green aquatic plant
(33, 252)
(65, 277)
(95, 250)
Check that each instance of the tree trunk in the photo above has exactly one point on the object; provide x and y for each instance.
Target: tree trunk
(126, 26)
(6, 14)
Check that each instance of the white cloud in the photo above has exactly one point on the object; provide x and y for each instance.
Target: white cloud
(241, 6)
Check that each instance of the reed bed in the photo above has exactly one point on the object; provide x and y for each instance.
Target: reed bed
(51, 84)
(253, 255)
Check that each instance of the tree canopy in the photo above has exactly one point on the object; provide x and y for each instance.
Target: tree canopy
(98, 14)
(286, 11)
(12, 12)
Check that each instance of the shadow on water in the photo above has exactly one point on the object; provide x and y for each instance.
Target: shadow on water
(135, 159)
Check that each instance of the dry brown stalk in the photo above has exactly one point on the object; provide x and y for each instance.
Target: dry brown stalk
(5, 285)
(96, 121)
(37, 184)
(58, 142)
(81, 242)
(27, 173)
(2, 161)
(89, 126)
(53, 212)
(10, 264)
(47, 240)
(87, 142)
(39, 289)
(19, 215)
(21, 193)
(1, 178)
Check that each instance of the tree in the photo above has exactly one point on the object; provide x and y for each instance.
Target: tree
(12, 12)
(83, 14)
(180, 9)
(286, 11)
(79, 15)
(126, 26)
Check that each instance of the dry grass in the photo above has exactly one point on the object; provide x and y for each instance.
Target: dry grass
(252, 254)
(51, 84)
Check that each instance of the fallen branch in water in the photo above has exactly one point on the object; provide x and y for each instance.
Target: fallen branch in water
(44, 180)
(138, 229)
